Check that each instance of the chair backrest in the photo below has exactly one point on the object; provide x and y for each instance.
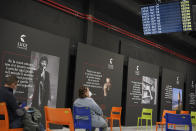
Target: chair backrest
(184, 112)
(82, 117)
(4, 124)
(146, 113)
(116, 112)
(193, 117)
(61, 116)
(178, 119)
(164, 112)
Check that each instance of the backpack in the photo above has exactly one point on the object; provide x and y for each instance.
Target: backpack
(32, 120)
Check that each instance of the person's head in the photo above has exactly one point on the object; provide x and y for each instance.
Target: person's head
(11, 81)
(83, 92)
(43, 62)
(107, 80)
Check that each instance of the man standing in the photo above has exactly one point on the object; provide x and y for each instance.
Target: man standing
(41, 95)
(6, 95)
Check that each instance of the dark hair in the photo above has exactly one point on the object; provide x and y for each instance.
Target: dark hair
(43, 58)
(82, 92)
(10, 80)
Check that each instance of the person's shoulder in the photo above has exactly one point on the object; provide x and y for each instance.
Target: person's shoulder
(89, 99)
(76, 100)
(4, 90)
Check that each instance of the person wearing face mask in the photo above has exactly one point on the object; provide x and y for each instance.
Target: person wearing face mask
(41, 95)
(15, 113)
(85, 100)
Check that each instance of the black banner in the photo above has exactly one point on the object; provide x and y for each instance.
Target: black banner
(142, 90)
(38, 59)
(101, 71)
(172, 90)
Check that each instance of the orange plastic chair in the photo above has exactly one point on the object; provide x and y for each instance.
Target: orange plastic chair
(163, 121)
(59, 116)
(4, 124)
(115, 115)
(184, 112)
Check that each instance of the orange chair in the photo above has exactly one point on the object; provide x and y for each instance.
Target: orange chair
(184, 112)
(115, 115)
(59, 116)
(4, 124)
(163, 122)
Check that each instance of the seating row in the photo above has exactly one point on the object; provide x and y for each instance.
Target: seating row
(81, 118)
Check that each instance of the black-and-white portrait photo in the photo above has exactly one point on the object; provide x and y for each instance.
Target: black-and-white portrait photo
(149, 90)
(45, 80)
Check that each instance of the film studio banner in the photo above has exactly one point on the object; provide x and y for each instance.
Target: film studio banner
(190, 103)
(101, 71)
(172, 90)
(142, 90)
(38, 59)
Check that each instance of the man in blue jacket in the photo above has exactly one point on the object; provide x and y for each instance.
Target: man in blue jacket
(6, 95)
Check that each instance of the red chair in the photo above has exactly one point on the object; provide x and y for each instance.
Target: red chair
(59, 116)
(4, 124)
(115, 116)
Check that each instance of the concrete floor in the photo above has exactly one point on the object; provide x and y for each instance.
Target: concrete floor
(131, 129)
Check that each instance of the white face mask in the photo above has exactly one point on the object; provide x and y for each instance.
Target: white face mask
(90, 94)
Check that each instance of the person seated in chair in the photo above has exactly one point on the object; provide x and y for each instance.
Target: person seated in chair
(15, 113)
(84, 100)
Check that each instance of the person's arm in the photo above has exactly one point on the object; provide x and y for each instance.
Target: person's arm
(11, 102)
(94, 107)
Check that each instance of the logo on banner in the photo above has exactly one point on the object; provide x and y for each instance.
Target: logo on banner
(22, 43)
(177, 80)
(111, 65)
(137, 71)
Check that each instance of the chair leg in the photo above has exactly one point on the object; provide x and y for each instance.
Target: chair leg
(120, 125)
(71, 127)
(162, 127)
(146, 124)
(138, 122)
(111, 124)
(141, 122)
(151, 124)
(156, 127)
(47, 126)
(185, 127)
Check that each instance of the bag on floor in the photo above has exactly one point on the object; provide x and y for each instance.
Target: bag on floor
(32, 120)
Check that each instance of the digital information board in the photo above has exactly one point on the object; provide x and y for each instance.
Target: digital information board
(165, 18)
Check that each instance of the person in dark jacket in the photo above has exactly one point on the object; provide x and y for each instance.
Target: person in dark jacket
(41, 95)
(15, 113)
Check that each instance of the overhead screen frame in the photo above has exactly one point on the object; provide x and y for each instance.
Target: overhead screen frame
(190, 2)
